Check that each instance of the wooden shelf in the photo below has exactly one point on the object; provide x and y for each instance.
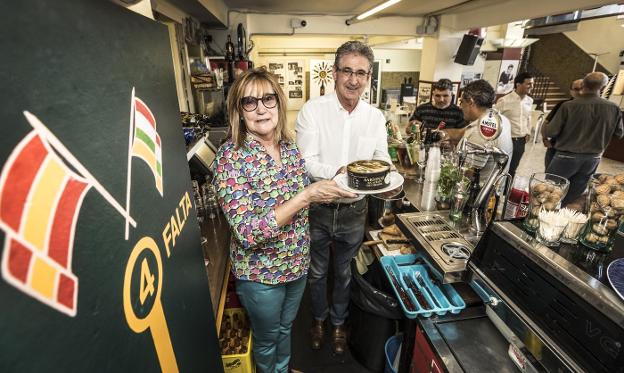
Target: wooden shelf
(217, 233)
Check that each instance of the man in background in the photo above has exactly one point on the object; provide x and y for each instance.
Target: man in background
(440, 112)
(517, 107)
(575, 91)
(583, 128)
(332, 131)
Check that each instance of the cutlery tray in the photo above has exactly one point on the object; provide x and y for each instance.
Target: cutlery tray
(441, 298)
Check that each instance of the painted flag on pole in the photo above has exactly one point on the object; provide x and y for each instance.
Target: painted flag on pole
(146, 142)
(40, 198)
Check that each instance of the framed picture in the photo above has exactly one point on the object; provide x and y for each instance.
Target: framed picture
(508, 71)
(321, 77)
(424, 92)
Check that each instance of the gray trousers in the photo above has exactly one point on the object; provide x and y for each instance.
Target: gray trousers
(576, 167)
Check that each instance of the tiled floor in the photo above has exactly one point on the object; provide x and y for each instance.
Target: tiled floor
(533, 161)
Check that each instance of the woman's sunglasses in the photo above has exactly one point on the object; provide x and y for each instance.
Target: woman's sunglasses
(250, 103)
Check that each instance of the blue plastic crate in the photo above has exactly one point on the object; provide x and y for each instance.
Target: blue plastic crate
(442, 298)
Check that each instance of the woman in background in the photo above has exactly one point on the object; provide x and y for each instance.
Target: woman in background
(264, 192)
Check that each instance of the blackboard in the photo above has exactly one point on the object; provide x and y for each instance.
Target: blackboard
(69, 71)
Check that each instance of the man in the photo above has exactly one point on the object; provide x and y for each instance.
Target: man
(332, 131)
(476, 101)
(516, 106)
(583, 128)
(441, 111)
(575, 91)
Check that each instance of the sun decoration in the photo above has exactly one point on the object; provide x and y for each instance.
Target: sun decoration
(322, 75)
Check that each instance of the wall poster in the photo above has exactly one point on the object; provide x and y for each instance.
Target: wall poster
(290, 75)
(101, 263)
(372, 92)
(321, 77)
(508, 71)
(424, 92)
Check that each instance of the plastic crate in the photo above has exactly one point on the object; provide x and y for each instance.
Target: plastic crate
(238, 363)
(441, 298)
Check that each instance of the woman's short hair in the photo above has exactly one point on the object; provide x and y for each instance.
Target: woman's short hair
(261, 78)
(480, 92)
(354, 47)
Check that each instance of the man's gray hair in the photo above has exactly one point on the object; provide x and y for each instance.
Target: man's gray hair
(480, 92)
(354, 47)
(595, 81)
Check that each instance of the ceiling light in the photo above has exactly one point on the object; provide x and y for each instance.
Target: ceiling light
(372, 11)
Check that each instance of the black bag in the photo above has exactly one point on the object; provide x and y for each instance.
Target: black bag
(373, 316)
(371, 299)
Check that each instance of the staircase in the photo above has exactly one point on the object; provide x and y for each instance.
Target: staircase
(546, 93)
(553, 94)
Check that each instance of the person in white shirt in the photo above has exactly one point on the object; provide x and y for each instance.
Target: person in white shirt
(517, 107)
(333, 131)
(476, 100)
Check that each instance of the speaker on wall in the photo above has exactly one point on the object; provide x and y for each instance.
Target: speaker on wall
(468, 49)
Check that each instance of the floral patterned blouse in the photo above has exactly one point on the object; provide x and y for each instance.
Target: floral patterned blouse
(250, 185)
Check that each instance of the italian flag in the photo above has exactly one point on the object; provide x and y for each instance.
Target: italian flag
(146, 142)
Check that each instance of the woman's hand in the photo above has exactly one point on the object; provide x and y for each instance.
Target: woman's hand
(325, 191)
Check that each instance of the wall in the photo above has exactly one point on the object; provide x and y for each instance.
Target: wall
(599, 36)
(396, 63)
(558, 57)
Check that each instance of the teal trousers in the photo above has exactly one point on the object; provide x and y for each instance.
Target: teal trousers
(271, 310)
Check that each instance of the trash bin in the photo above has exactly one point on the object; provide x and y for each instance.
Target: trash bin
(392, 348)
(373, 315)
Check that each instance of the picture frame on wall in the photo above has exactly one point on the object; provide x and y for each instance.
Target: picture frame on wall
(424, 92)
(508, 71)
(321, 77)
(372, 92)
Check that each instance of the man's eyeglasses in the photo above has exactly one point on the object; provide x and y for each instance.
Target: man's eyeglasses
(576, 88)
(250, 103)
(360, 74)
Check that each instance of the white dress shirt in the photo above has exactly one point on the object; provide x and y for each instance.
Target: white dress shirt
(330, 137)
(518, 111)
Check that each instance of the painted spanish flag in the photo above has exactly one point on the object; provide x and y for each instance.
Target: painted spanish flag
(40, 198)
(146, 142)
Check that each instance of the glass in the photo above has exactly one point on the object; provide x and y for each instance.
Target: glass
(606, 214)
(250, 103)
(549, 233)
(460, 197)
(360, 74)
(421, 162)
(545, 192)
(405, 161)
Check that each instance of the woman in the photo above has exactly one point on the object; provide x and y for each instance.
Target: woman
(263, 190)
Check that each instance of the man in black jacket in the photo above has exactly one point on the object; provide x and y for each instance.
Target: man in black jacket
(583, 128)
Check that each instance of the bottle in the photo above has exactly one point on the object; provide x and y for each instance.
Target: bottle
(229, 49)
(229, 59)
(518, 200)
(473, 193)
(199, 203)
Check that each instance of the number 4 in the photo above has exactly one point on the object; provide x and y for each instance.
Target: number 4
(147, 281)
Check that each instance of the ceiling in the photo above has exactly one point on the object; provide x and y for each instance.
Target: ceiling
(409, 8)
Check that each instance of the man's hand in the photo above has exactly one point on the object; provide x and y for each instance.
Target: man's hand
(527, 138)
(547, 143)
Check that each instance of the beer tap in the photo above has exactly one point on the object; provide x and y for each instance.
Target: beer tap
(479, 205)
